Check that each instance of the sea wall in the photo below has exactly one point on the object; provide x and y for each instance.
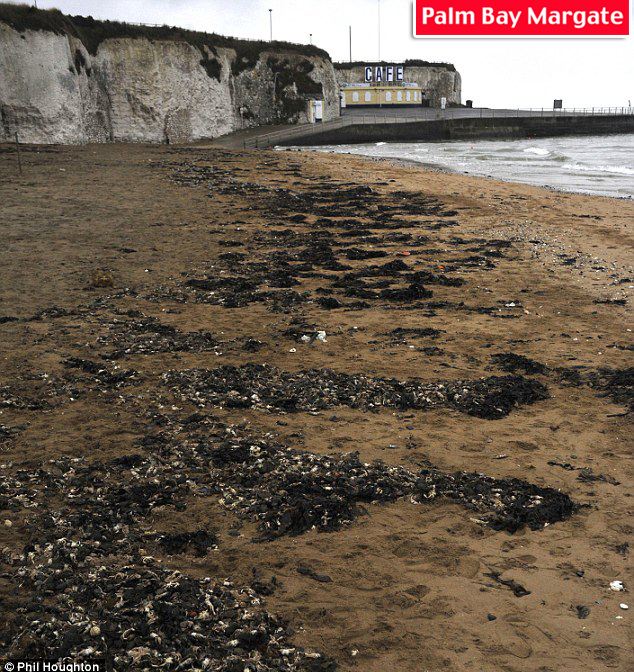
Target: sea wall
(437, 80)
(54, 88)
(470, 129)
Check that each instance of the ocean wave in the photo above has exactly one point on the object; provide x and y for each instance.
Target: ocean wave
(616, 170)
(539, 151)
(585, 164)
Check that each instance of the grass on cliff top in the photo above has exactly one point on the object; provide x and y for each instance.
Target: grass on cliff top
(410, 62)
(93, 32)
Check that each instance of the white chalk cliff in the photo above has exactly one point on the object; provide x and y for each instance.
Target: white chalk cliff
(53, 90)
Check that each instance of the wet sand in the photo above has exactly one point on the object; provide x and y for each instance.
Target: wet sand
(542, 274)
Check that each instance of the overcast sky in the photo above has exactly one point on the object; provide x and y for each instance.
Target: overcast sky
(495, 72)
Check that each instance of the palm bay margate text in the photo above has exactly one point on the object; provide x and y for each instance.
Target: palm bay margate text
(542, 16)
(517, 17)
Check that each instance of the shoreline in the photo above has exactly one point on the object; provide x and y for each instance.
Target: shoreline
(240, 317)
(447, 169)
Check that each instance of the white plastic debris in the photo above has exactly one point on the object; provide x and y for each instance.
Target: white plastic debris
(293, 350)
(617, 586)
(624, 606)
(321, 336)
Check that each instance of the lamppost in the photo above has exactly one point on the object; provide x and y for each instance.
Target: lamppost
(311, 38)
(350, 41)
(271, 23)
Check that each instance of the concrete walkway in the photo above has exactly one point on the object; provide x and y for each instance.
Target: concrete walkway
(244, 137)
(267, 136)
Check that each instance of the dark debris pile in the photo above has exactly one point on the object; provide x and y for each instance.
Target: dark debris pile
(267, 387)
(102, 376)
(290, 492)
(506, 504)
(147, 335)
(12, 398)
(240, 291)
(7, 433)
(324, 247)
(199, 542)
(145, 617)
(90, 530)
(512, 363)
(616, 384)
(403, 333)
(90, 590)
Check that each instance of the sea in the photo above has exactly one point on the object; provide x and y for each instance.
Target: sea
(602, 165)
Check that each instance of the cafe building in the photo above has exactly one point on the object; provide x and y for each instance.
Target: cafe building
(384, 86)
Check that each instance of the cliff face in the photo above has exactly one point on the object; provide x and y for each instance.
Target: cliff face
(54, 90)
(436, 80)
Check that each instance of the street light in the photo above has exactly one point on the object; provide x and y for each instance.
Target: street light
(311, 38)
(271, 23)
(350, 36)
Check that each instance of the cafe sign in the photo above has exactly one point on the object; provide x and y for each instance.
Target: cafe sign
(379, 74)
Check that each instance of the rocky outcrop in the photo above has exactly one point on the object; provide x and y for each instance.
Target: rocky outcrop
(437, 80)
(56, 87)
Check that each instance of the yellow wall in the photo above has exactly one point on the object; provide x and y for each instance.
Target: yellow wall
(375, 95)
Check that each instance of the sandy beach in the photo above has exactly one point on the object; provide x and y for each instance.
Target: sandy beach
(136, 285)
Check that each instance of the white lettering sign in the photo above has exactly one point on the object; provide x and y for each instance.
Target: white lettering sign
(384, 73)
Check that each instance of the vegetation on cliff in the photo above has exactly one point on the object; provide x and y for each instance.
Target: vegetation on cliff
(93, 32)
(292, 83)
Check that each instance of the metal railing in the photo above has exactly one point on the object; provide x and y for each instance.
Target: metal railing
(428, 113)
(546, 112)
(424, 114)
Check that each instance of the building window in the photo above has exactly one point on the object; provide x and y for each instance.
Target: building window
(408, 95)
(368, 97)
(415, 96)
(399, 96)
(388, 96)
(355, 97)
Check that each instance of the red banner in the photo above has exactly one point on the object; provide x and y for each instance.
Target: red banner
(521, 18)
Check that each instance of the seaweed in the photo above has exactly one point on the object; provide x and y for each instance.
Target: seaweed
(512, 363)
(507, 504)
(267, 387)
